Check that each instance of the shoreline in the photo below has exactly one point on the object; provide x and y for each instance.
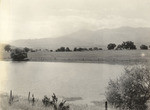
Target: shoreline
(22, 103)
(122, 57)
(119, 62)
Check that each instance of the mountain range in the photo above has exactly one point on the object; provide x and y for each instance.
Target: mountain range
(88, 38)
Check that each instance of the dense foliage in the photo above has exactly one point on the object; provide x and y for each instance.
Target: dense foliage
(63, 49)
(54, 103)
(131, 91)
(7, 48)
(18, 55)
(26, 49)
(129, 45)
(111, 46)
(144, 47)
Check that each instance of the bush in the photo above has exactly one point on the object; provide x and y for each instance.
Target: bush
(26, 49)
(144, 47)
(53, 103)
(100, 49)
(95, 48)
(119, 47)
(67, 49)
(128, 45)
(18, 55)
(7, 48)
(111, 46)
(132, 90)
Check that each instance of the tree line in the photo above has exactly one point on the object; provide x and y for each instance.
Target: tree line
(18, 53)
(129, 45)
(8, 48)
(67, 49)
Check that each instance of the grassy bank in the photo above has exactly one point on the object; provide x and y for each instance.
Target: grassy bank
(21, 103)
(102, 56)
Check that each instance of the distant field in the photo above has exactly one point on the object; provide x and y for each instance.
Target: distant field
(101, 56)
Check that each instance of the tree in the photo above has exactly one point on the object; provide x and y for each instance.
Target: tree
(111, 46)
(95, 48)
(32, 50)
(7, 48)
(26, 49)
(80, 49)
(85, 49)
(18, 55)
(119, 47)
(128, 45)
(75, 49)
(90, 49)
(144, 47)
(46, 50)
(100, 49)
(62, 49)
(132, 90)
(58, 50)
(67, 49)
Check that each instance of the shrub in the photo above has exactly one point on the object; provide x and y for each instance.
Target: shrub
(26, 49)
(119, 47)
(90, 49)
(132, 90)
(143, 47)
(53, 103)
(95, 48)
(67, 49)
(18, 55)
(129, 45)
(111, 46)
(100, 49)
(7, 48)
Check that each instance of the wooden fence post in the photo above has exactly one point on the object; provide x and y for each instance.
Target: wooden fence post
(10, 98)
(29, 96)
(106, 105)
(33, 99)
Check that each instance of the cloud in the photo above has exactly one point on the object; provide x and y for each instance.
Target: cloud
(55, 26)
(50, 18)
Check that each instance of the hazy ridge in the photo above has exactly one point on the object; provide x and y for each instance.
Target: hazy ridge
(88, 38)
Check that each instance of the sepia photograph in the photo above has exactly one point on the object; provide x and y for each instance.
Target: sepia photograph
(74, 55)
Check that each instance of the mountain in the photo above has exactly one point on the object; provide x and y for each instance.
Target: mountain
(88, 38)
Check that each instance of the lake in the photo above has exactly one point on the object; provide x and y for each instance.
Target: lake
(86, 80)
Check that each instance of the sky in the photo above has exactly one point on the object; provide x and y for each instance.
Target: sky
(33, 19)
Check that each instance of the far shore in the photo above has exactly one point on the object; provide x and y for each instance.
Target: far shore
(123, 57)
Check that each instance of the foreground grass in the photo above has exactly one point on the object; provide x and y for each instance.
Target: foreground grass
(21, 103)
(101, 56)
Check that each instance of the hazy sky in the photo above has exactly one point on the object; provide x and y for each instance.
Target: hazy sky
(28, 19)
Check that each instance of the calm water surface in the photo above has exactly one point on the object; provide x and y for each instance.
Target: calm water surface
(86, 80)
